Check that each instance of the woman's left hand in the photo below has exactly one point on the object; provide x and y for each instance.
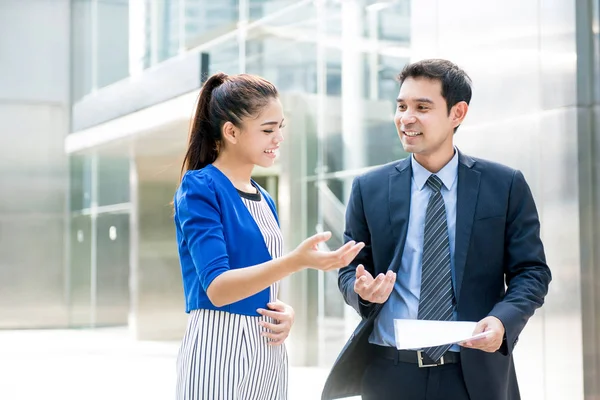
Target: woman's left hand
(282, 316)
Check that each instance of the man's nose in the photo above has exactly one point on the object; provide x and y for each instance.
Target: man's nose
(407, 118)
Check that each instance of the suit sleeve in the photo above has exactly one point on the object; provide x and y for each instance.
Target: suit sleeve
(199, 217)
(527, 275)
(357, 230)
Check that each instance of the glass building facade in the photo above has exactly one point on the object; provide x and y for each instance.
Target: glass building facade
(135, 71)
(335, 65)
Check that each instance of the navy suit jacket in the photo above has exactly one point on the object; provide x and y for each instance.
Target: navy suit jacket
(497, 243)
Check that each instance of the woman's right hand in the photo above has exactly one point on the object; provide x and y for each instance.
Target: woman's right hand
(308, 255)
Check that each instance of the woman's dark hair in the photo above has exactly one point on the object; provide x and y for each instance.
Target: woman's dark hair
(456, 84)
(222, 99)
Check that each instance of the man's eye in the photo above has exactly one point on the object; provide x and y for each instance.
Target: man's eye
(401, 107)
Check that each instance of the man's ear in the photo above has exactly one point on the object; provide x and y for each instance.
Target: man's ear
(458, 113)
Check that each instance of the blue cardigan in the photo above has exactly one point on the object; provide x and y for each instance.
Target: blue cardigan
(216, 233)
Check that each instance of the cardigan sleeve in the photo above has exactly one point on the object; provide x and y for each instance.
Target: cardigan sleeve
(199, 216)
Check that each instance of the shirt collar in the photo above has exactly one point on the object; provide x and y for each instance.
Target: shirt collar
(447, 174)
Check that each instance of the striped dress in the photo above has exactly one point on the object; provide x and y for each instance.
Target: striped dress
(223, 356)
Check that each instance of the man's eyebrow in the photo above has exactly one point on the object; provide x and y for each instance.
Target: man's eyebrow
(419, 100)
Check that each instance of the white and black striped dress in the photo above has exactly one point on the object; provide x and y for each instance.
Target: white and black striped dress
(223, 356)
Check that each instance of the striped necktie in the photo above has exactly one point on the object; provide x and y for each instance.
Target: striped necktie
(435, 302)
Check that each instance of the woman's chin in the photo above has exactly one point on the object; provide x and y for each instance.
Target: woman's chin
(265, 162)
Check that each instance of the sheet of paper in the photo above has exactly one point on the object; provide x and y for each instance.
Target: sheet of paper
(417, 334)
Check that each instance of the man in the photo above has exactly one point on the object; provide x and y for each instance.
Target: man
(444, 233)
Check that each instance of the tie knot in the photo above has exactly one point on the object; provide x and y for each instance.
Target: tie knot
(434, 183)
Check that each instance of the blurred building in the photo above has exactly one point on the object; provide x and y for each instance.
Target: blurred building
(95, 100)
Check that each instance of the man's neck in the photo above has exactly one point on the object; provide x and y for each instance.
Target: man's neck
(435, 162)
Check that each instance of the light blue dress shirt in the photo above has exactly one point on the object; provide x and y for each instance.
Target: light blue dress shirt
(404, 299)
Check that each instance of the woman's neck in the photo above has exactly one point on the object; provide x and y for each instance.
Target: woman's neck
(239, 174)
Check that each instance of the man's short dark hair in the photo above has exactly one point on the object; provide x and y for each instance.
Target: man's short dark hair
(456, 84)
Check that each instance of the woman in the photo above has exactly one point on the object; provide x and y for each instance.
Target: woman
(230, 247)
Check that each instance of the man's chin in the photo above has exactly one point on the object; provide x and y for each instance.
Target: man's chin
(410, 148)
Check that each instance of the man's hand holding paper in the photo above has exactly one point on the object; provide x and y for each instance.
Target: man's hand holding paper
(414, 334)
(491, 342)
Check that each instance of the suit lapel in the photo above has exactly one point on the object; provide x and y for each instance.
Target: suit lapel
(399, 203)
(466, 201)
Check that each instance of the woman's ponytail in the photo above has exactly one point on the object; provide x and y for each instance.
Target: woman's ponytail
(204, 137)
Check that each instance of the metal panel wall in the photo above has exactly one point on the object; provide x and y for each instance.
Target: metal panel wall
(588, 123)
(34, 114)
(524, 114)
(158, 311)
(34, 111)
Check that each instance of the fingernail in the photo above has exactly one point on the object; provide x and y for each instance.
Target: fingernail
(259, 310)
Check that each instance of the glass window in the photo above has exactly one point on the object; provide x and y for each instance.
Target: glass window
(224, 57)
(333, 18)
(81, 51)
(262, 8)
(174, 26)
(387, 84)
(80, 279)
(333, 301)
(205, 20)
(112, 46)
(393, 22)
(382, 144)
(289, 65)
(80, 167)
(362, 66)
(112, 266)
(161, 21)
(113, 180)
(375, 143)
(333, 194)
(281, 52)
(99, 45)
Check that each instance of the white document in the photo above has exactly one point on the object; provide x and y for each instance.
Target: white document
(416, 334)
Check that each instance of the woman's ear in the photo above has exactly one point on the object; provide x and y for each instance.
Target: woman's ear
(230, 132)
